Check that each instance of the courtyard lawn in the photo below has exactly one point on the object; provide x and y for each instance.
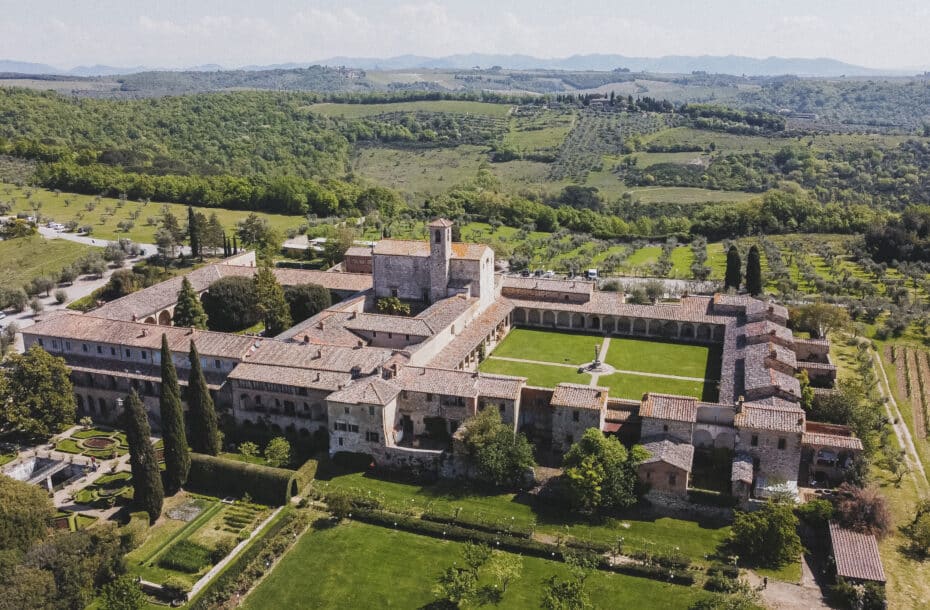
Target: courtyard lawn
(540, 375)
(622, 385)
(548, 346)
(698, 361)
(355, 565)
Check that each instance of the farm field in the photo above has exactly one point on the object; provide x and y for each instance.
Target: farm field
(451, 106)
(29, 257)
(69, 206)
(355, 565)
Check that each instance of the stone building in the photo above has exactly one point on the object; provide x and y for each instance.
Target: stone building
(399, 388)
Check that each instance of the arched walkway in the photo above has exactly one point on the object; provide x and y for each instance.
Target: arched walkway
(670, 329)
(594, 323)
(726, 440)
(519, 315)
(164, 318)
(564, 319)
(640, 326)
(548, 318)
(149, 320)
(703, 438)
(687, 331)
(577, 321)
(703, 332)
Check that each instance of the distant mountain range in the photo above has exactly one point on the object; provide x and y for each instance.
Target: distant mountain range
(674, 64)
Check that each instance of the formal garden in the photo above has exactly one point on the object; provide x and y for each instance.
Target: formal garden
(547, 358)
(99, 442)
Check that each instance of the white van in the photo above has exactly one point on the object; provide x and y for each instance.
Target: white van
(591, 274)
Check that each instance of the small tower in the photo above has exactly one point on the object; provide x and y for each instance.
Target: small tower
(440, 252)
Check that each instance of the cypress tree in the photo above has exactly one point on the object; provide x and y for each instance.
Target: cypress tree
(193, 231)
(205, 433)
(272, 305)
(753, 272)
(235, 245)
(148, 493)
(225, 246)
(177, 453)
(733, 275)
(189, 310)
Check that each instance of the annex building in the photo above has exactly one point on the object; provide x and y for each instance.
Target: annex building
(398, 388)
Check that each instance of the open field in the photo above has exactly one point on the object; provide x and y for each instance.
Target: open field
(64, 207)
(687, 195)
(29, 257)
(353, 111)
(355, 565)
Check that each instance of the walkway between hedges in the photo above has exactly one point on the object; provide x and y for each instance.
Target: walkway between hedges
(576, 366)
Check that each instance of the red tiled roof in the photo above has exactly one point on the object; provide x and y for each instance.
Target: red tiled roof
(579, 396)
(831, 440)
(856, 554)
(670, 407)
(761, 418)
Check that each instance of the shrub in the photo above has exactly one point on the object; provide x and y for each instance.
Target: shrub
(767, 536)
(494, 527)
(185, 556)
(175, 588)
(863, 510)
(61, 296)
(231, 304)
(222, 477)
(134, 532)
(223, 548)
(816, 512)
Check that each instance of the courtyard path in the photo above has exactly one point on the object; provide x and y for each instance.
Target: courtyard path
(575, 366)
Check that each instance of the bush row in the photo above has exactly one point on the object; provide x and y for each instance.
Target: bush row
(221, 477)
(513, 544)
(518, 531)
(249, 565)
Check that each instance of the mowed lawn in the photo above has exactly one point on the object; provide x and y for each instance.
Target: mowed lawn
(539, 375)
(548, 346)
(699, 361)
(29, 257)
(355, 565)
(624, 385)
(639, 530)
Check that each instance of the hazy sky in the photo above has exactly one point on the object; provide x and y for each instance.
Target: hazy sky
(176, 33)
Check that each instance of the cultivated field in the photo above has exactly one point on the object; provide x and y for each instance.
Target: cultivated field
(26, 258)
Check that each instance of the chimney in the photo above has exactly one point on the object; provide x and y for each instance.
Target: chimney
(353, 315)
(423, 371)
(360, 344)
(317, 376)
(306, 339)
(190, 331)
(145, 332)
(319, 354)
(739, 404)
(319, 325)
(772, 333)
(771, 309)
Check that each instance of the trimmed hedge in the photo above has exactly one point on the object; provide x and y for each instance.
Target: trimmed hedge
(243, 571)
(222, 477)
(517, 531)
(306, 473)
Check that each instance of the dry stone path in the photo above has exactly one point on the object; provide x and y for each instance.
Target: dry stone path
(575, 366)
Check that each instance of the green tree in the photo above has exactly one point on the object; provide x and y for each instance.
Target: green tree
(820, 318)
(25, 511)
(272, 306)
(336, 245)
(456, 586)
(768, 536)
(189, 310)
(248, 449)
(505, 568)
(278, 452)
(205, 433)
(177, 453)
(36, 395)
(231, 304)
(600, 473)
(918, 530)
(499, 456)
(393, 306)
(213, 235)
(148, 493)
(256, 233)
(194, 232)
(753, 272)
(733, 274)
(123, 593)
(565, 593)
(306, 300)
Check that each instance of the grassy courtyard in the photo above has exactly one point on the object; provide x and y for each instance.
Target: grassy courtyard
(355, 565)
(547, 358)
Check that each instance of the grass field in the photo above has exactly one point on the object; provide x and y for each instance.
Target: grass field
(540, 375)
(548, 346)
(353, 111)
(29, 257)
(664, 358)
(68, 206)
(354, 565)
(687, 195)
(634, 386)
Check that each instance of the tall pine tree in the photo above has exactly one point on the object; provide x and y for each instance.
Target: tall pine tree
(205, 432)
(194, 231)
(177, 453)
(733, 274)
(753, 272)
(148, 493)
(272, 305)
(189, 311)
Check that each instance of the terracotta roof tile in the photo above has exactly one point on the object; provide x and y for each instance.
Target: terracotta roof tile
(578, 396)
(761, 418)
(367, 391)
(670, 407)
(678, 454)
(856, 554)
(831, 440)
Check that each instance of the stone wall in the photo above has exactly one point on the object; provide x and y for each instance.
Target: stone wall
(409, 276)
(350, 427)
(774, 463)
(569, 424)
(657, 427)
(664, 477)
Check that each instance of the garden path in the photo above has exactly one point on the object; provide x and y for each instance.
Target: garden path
(575, 366)
(791, 596)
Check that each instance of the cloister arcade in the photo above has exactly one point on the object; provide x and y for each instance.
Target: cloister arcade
(619, 325)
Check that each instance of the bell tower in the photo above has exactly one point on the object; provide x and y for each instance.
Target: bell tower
(440, 252)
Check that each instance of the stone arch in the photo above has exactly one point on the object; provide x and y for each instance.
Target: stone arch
(577, 321)
(304, 433)
(623, 326)
(519, 315)
(245, 401)
(640, 326)
(164, 318)
(725, 439)
(687, 331)
(703, 438)
(703, 332)
(718, 333)
(548, 318)
(149, 320)
(533, 316)
(564, 319)
(594, 322)
(670, 329)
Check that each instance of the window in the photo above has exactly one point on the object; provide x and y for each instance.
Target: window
(672, 479)
(648, 474)
(54, 344)
(393, 292)
(128, 353)
(112, 351)
(216, 364)
(353, 427)
(40, 343)
(438, 237)
(569, 439)
(665, 428)
(406, 337)
(145, 355)
(429, 398)
(99, 349)
(340, 441)
(575, 416)
(83, 347)
(340, 426)
(371, 411)
(346, 409)
(754, 441)
(782, 443)
(390, 335)
(372, 437)
(403, 394)
(68, 345)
